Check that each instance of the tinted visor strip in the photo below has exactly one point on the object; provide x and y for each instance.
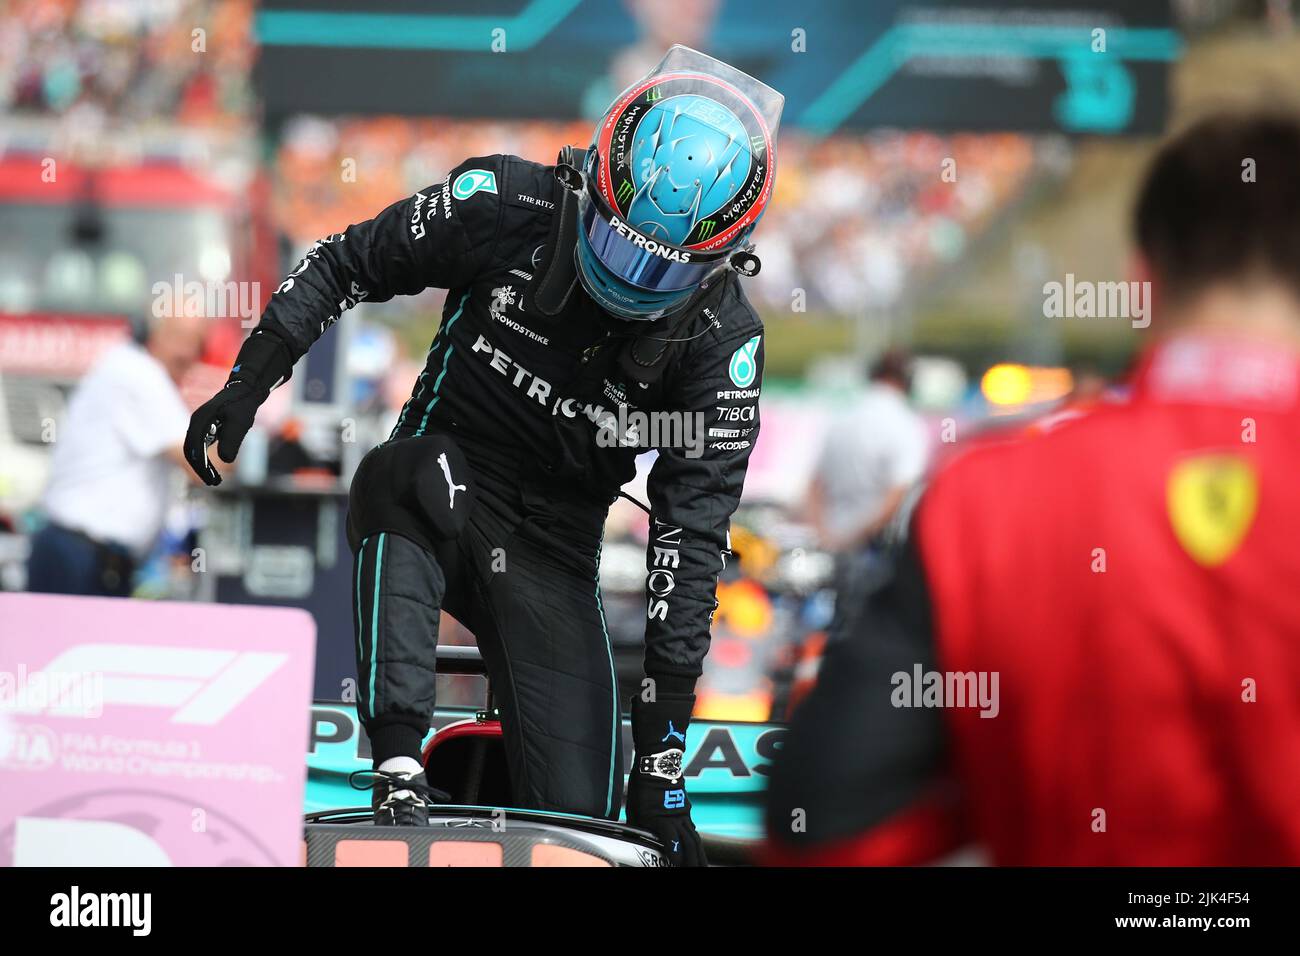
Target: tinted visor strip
(639, 266)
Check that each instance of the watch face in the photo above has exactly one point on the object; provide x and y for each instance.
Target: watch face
(668, 764)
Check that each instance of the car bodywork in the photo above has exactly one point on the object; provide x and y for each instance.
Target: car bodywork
(726, 764)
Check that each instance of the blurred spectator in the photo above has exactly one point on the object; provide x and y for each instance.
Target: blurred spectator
(1089, 653)
(874, 451)
(113, 469)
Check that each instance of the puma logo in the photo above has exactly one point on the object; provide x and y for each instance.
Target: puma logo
(452, 487)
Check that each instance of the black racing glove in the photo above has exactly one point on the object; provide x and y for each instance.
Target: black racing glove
(656, 788)
(264, 362)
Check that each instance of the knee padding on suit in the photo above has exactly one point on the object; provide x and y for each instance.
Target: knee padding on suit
(419, 487)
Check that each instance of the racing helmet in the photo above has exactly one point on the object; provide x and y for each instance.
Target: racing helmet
(678, 175)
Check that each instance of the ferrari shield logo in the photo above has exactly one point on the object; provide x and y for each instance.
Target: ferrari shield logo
(1212, 501)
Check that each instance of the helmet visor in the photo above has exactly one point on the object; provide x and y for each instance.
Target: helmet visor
(637, 259)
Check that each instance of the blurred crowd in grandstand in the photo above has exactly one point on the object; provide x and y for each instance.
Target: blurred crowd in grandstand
(854, 215)
(102, 61)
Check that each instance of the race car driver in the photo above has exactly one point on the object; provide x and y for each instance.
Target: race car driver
(583, 297)
(1089, 653)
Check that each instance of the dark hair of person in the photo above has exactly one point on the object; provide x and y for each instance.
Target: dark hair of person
(1221, 204)
(894, 366)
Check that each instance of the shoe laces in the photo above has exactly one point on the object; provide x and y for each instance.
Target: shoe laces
(397, 782)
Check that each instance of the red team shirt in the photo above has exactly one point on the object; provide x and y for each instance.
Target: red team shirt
(1132, 574)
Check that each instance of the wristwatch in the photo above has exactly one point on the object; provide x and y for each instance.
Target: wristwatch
(666, 764)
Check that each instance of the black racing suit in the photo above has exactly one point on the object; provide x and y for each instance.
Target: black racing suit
(524, 396)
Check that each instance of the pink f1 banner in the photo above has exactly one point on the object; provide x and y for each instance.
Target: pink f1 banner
(152, 734)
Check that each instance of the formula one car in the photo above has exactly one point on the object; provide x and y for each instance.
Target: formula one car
(464, 755)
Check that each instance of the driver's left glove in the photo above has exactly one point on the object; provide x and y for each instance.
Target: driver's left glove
(264, 362)
(656, 788)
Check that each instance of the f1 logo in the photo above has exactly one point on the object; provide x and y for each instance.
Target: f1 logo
(198, 685)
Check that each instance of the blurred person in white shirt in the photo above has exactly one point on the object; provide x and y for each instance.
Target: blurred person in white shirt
(874, 451)
(116, 455)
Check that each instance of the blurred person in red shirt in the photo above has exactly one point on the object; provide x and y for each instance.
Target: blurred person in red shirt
(1090, 649)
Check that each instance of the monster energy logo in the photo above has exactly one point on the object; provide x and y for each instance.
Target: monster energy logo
(757, 142)
(655, 93)
(706, 228)
(625, 191)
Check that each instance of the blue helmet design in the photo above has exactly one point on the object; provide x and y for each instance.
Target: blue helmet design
(690, 156)
(679, 173)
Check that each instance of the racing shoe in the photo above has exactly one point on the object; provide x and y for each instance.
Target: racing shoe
(399, 799)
